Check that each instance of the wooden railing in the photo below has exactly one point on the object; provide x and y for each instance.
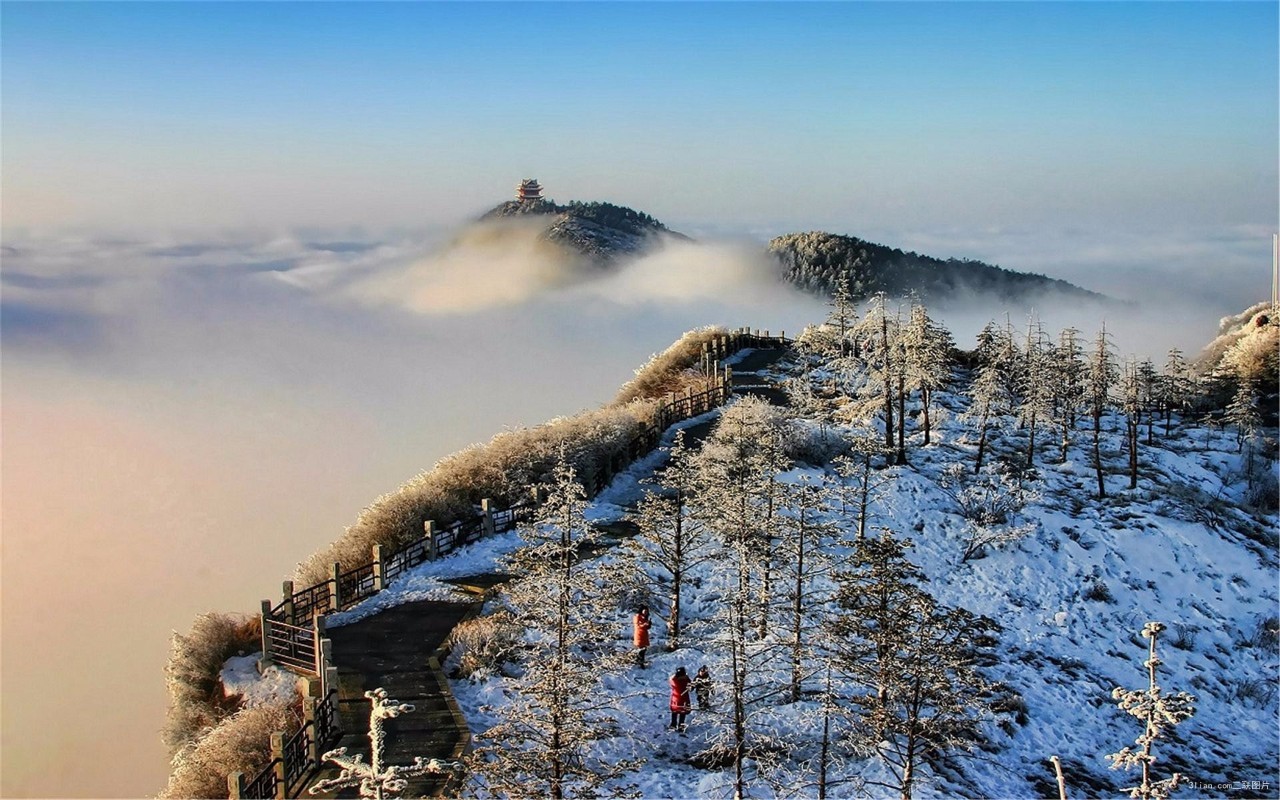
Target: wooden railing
(344, 589)
(293, 630)
(295, 758)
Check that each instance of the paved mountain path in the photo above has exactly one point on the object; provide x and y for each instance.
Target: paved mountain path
(393, 649)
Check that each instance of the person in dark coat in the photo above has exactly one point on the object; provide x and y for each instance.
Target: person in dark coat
(641, 625)
(679, 699)
(702, 688)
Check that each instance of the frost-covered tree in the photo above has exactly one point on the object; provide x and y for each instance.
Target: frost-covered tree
(375, 779)
(545, 743)
(1035, 385)
(671, 541)
(1131, 402)
(998, 347)
(843, 316)
(861, 484)
(1158, 712)
(1242, 413)
(1100, 379)
(1068, 383)
(737, 466)
(877, 336)
(1174, 387)
(927, 352)
(805, 553)
(1149, 385)
(989, 399)
(911, 663)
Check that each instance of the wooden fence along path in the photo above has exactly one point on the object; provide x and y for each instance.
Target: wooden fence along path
(294, 635)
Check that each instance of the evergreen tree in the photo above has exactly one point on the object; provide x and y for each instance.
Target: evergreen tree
(1149, 383)
(736, 472)
(913, 661)
(877, 337)
(671, 541)
(1101, 378)
(1131, 401)
(1067, 379)
(927, 353)
(804, 549)
(1175, 387)
(544, 746)
(1157, 711)
(1036, 388)
(1242, 413)
(860, 484)
(989, 399)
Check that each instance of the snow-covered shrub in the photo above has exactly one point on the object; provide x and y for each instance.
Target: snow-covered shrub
(990, 502)
(814, 444)
(1098, 591)
(478, 647)
(240, 743)
(504, 469)
(668, 371)
(1259, 692)
(1265, 634)
(1184, 636)
(196, 701)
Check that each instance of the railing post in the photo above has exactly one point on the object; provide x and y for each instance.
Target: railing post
(277, 759)
(287, 606)
(330, 686)
(317, 639)
(235, 785)
(486, 508)
(265, 660)
(379, 579)
(433, 547)
(335, 602)
(309, 719)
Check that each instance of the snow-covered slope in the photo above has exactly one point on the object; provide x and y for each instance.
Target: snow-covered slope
(1071, 598)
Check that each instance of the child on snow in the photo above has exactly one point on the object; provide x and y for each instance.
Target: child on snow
(702, 688)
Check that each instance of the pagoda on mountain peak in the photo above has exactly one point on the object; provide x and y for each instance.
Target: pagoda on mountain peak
(529, 189)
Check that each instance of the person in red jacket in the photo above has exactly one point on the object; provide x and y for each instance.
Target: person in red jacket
(679, 699)
(641, 624)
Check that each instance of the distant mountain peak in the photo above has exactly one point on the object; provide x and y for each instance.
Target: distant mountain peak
(601, 231)
(818, 262)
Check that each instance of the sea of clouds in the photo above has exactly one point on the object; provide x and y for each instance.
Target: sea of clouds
(186, 416)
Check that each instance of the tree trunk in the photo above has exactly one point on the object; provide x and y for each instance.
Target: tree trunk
(677, 577)
(925, 397)
(826, 739)
(1031, 444)
(888, 385)
(982, 445)
(1097, 455)
(740, 682)
(1133, 453)
(797, 612)
(902, 419)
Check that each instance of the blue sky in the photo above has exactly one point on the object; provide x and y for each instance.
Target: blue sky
(760, 116)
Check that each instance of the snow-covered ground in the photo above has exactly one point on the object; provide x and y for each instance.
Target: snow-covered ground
(1071, 599)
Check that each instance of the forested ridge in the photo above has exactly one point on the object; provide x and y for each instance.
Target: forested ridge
(819, 262)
